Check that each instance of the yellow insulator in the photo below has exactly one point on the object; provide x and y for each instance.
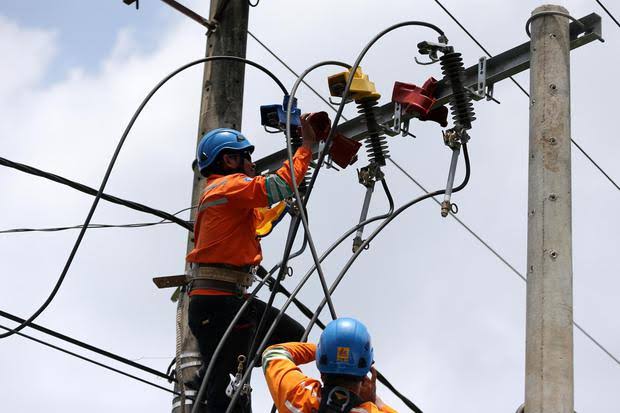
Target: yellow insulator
(361, 86)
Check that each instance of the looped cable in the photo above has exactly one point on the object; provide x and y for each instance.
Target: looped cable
(253, 4)
(550, 13)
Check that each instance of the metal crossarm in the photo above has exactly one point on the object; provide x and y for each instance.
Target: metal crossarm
(498, 68)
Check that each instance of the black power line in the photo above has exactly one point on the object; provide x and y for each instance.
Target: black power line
(608, 13)
(87, 346)
(502, 259)
(108, 172)
(91, 191)
(90, 360)
(93, 226)
(524, 91)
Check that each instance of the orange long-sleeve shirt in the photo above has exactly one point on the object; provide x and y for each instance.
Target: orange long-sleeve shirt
(294, 392)
(225, 229)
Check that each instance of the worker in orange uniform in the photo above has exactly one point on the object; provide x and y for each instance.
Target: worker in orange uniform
(344, 356)
(227, 252)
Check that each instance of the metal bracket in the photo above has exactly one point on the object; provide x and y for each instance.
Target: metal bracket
(370, 174)
(398, 125)
(498, 68)
(482, 89)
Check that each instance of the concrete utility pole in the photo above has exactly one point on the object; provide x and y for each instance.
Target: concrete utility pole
(549, 331)
(221, 106)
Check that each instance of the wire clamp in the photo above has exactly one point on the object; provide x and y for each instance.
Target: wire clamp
(432, 49)
(453, 138)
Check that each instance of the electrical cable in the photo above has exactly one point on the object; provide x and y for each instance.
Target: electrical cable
(333, 246)
(608, 13)
(302, 204)
(109, 171)
(327, 145)
(595, 164)
(93, 226)
(283, 266)
(380, 227)
(526, 93)
(292, 71)
(91, 191)
(352, 70)
(203, 385)
(90, 361)
(301, 217)
(350, 81)
(476, 41)
(330, 135)
(169, 371)
(226, 334)
(224, 337)
(504, 261)
(86, 346)
(308, 313)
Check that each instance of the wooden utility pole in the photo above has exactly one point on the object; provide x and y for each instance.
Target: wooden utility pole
(221, 107)
(549, 331)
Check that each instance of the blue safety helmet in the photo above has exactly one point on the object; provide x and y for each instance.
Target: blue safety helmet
(345, 348)
(217, 140)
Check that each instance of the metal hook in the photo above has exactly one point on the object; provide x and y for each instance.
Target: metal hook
(420, 62)
(338, 102)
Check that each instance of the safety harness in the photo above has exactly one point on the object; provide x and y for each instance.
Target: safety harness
(337, 399)
(221, 277)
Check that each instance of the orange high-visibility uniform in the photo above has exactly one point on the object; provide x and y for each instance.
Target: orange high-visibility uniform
(294, 392)
(225, 229)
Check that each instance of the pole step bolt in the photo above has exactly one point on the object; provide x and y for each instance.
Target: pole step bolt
(553, 254)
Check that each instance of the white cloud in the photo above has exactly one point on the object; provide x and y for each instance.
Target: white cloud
(447, 316)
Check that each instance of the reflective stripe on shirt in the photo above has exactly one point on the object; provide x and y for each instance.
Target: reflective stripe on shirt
(277, 189)
(292, 408)
(212, 203)
(275, 353)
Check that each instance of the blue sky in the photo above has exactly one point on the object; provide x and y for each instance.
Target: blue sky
(87, 30)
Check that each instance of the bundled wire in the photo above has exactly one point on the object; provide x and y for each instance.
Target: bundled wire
(321, 159)
(220, 345)
(345, 269)
(91, 361)
(91, 191)
(108, 172)
(95, 226)
(87, 346)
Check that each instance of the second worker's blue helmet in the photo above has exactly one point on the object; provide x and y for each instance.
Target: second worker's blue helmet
(217, 140)
(345, 348)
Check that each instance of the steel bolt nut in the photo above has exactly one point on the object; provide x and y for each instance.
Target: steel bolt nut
(553, 197)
